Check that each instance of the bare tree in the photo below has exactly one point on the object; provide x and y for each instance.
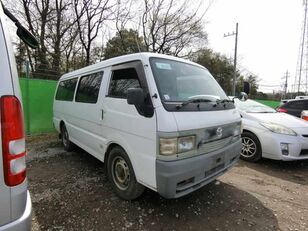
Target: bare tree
(37, 23)
(123, 15)
(91, 15)
(170, 27)
(61, 30)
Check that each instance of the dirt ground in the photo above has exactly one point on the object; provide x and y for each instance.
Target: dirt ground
(71, 192)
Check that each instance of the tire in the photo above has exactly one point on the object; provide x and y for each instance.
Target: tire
(251, 147)
(121, 175)
(67, 144)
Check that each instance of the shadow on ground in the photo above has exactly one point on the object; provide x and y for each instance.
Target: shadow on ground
(71, 192)
(294, 171)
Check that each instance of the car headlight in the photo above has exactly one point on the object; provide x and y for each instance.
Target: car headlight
(277, 128)
(238, 129)
(171, 146)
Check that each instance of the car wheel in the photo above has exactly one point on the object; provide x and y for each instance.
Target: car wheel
(251, 147)
(121, 175)
(67, 144)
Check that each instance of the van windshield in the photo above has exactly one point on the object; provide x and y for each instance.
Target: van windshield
(182, 82)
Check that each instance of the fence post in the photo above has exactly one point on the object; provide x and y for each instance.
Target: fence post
(27, 97)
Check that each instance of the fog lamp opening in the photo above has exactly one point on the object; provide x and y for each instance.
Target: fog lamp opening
(284, 149)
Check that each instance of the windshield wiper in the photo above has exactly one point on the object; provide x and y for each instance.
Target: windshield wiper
(195, 100)
(224, 101)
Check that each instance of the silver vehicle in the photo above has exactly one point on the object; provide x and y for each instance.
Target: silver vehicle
(15, 202)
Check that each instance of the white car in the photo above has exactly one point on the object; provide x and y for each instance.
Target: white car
(270, 134)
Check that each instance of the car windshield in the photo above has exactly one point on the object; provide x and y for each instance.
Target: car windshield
(180, 82)
(251, 106)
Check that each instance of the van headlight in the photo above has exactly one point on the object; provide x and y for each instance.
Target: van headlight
(171, 146)
(277, 128)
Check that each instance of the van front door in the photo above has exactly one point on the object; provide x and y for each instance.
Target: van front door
(134, 130)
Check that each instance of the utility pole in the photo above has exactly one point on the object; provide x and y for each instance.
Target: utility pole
(285, 87)
(302, 69)
(235, 56)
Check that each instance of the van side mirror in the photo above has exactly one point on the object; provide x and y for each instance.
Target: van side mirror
(22, 32)
(135, 96)
(27, 37)
(246, 87)
(242, 97)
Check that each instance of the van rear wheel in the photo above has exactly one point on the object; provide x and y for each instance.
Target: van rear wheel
(121, 175)
(67, 144)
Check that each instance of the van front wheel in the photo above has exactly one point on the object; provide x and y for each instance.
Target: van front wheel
(121, 175)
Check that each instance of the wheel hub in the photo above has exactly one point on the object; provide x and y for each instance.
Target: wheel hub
(249, 147)
(120, 172)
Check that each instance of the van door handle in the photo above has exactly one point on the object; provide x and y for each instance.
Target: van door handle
(102, 115)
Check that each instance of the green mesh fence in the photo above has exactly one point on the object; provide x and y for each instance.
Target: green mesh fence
(37, 98)
(270, 103)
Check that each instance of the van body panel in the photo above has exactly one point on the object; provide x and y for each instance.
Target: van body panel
(136, 134)
(24, 221)
(15, 202)
(6, 88)
(165, 120)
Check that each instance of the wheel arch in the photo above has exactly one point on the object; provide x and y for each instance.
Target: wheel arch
(126, 149)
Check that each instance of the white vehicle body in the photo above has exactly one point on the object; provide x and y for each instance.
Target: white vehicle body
(15, 202)
(271, 142)
(111, 121)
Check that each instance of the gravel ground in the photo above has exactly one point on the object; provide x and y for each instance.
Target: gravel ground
(70, 191)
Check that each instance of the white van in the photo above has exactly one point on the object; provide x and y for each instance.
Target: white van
(154, 120)
(15, 201)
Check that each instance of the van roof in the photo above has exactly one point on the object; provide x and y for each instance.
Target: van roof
(122, 59)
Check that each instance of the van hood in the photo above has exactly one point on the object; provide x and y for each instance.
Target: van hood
(203, 119)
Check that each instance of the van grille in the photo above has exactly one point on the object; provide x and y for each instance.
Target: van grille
(304, 152)
(215, 145)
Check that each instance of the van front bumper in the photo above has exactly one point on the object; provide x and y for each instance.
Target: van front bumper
(22, 223)
(180, 177)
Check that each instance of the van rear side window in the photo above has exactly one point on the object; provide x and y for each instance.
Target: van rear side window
(66, 90)
(88, 88)
(121, 81)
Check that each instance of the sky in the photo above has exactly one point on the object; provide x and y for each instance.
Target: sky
(268, 39)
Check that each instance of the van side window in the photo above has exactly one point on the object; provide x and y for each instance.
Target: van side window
(122, 80)
(88, 88)
(66, 90)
